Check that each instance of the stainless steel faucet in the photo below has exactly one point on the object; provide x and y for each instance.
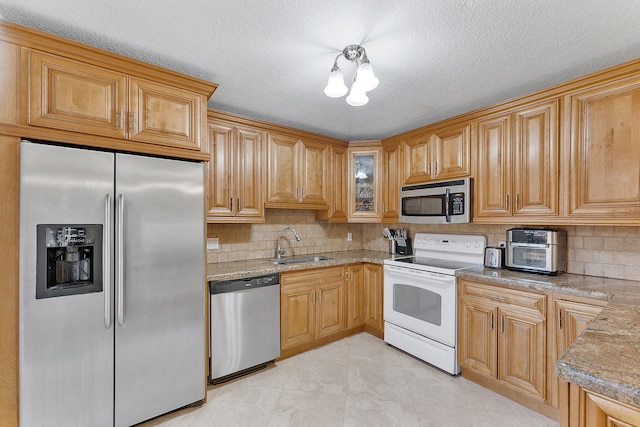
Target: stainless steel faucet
(282, 252)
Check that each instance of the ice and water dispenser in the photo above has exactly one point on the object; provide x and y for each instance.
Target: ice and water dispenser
(69, 259)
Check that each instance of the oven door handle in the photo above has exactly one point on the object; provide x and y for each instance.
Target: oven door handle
(447, 198)
(418, 273)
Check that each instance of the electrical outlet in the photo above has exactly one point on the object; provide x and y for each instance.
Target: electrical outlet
(213, 243)
(349, 237)
(501, 243)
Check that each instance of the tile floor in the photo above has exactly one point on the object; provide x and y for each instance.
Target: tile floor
(357, 381)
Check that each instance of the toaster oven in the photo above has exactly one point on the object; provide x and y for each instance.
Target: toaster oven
(536, 250)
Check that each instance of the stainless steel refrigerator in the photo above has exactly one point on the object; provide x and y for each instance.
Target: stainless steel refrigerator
(112, 286)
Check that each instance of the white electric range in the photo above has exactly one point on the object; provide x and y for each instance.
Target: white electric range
(420, 303)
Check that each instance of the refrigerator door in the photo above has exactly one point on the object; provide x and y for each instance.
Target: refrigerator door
(66, 342)
(160, 301)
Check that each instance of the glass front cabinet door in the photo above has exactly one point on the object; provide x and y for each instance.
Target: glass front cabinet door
(365, 183)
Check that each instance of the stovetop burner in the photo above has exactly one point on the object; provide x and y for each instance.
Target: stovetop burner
(443, 253)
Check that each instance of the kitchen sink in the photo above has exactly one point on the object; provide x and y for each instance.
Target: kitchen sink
(283, 261)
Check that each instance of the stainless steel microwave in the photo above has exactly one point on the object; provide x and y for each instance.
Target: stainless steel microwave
(437, 202)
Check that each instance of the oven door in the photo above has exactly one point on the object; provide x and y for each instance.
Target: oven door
(422, 302)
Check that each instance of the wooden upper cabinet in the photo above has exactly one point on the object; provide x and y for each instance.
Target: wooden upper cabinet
(493, 178)
(452, 152)
(437, 154)
(517, 166)
(297, 173)
(605, 151)
(391, 181)
(71, 95)
(418, 158)
(282, 183)
(337, 189)
(161, 114)
(235, 174)
(365, 183)
(220, 172)
(536, 157)
(313, 172)
(250, 174)
(76, 96)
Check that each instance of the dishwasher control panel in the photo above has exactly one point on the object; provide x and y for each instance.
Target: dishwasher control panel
(238, 284)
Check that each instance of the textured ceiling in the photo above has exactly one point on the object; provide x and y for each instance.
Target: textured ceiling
(434, 58)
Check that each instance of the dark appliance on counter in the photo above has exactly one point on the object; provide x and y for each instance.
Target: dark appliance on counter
(536, 250)
(403, 246)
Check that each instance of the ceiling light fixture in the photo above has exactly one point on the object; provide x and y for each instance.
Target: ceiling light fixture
(363, 82)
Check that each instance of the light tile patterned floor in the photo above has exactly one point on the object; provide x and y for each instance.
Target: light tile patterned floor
(358, 381)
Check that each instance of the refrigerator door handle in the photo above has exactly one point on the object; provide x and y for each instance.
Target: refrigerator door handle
(120, 260)
(106, 266)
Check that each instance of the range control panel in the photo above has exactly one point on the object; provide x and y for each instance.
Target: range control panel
(459, 243)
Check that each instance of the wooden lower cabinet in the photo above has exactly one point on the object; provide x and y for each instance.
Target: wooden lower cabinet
(330, 305)
(583, 408)
(477, 349)
(355, 295)
(325, 304)
(312, 305)
(522, 351)
(502, 341)
(572, 318)
(373, 285)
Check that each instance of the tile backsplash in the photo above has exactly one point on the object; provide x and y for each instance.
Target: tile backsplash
(253, 241)
(595, 251)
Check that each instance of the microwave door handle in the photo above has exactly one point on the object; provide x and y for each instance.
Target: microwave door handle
(447, 215)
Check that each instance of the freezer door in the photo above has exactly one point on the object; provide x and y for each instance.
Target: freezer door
(160, 299)
(66, 342)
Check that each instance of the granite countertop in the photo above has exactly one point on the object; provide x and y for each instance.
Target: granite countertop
(606, 358)
(233, 269)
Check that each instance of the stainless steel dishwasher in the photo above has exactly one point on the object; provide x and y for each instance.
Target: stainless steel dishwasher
(245, 325)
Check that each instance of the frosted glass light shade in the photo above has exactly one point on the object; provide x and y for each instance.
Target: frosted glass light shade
(357, 97)
(335, 86)
(366, 78)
